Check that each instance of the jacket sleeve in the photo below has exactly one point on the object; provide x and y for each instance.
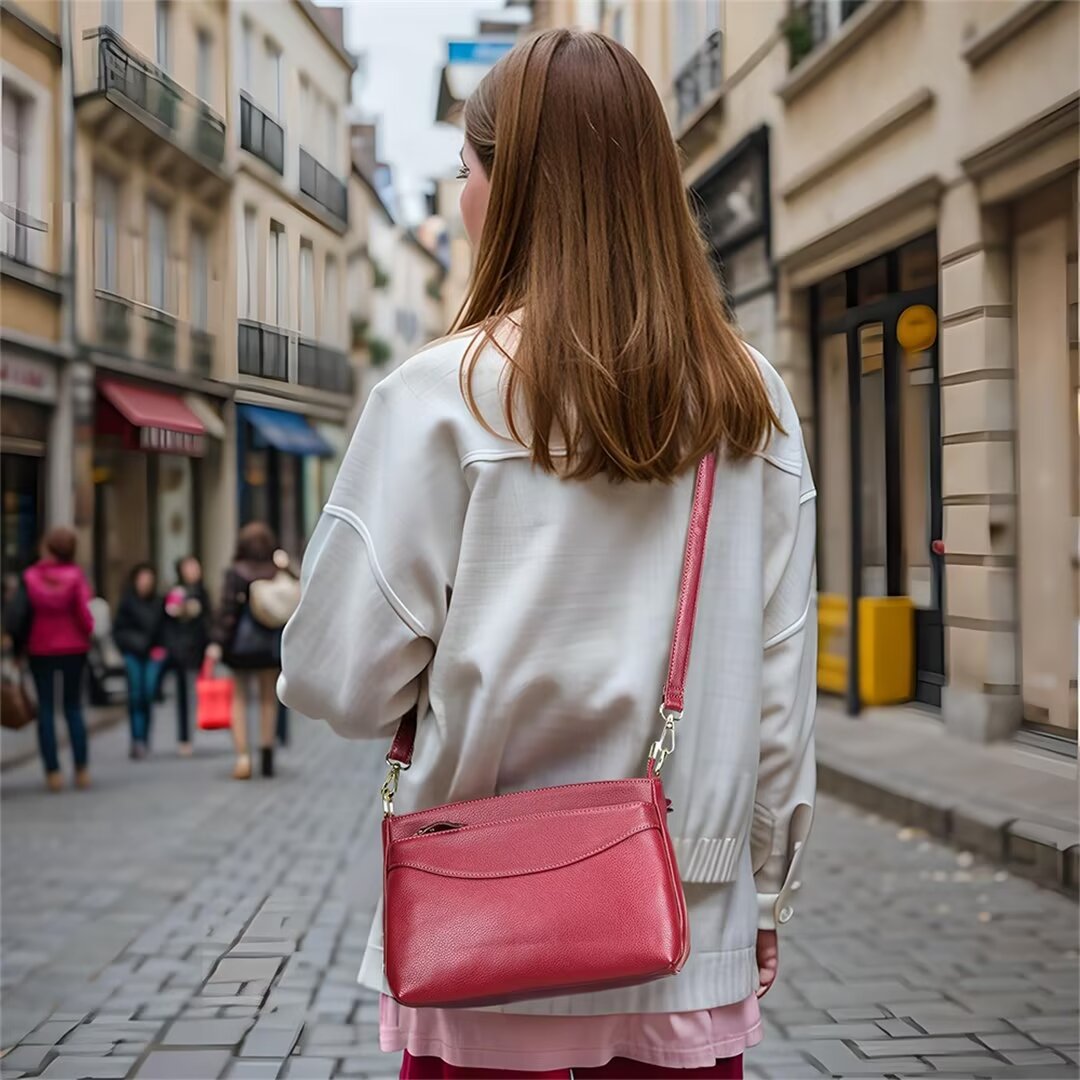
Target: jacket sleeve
(784, 798)
(83, 616)
(379, 569)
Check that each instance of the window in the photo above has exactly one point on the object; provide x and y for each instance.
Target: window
(204, 65)
(307, 289)
(248, 263)
(331, 322)
(157, 237)
(277, 271)
(273, 76)
(161, 32)
(329, 117)
(200, 280)
(247, 57)
(106, 201)
(112, 14)
(16, 175)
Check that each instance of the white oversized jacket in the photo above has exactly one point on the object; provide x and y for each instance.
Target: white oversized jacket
(529, 618)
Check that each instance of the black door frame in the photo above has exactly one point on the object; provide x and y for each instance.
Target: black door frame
(886, 311)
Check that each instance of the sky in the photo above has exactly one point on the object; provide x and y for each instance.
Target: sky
(402, 44)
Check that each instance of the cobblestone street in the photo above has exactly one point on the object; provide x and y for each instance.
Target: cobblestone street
(173, 923)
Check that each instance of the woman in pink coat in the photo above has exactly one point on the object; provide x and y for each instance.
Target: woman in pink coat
(60, 625)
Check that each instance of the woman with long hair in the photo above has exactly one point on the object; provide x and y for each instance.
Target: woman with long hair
(252, 648)
(503, 547)
(139, 633)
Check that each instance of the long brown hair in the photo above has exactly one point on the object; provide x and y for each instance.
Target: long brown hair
(625, 355)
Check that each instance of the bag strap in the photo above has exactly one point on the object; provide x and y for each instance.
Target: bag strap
(399, 757)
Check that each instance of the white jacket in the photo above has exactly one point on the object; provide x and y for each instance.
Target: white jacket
(530, 619)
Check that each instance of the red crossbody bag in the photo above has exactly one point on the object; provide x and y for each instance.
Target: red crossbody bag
(563, 890)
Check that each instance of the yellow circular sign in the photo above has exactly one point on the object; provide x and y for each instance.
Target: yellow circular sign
(916, 329)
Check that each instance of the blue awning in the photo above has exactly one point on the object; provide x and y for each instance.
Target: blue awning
(288, 432)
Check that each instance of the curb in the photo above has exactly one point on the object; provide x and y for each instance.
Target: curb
(1047, 853)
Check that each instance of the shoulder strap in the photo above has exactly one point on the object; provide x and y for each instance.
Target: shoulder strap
(401, 750)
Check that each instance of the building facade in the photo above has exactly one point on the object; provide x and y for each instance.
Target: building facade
(289, 83)
(151, 182)
(35, 277)
(900, 239)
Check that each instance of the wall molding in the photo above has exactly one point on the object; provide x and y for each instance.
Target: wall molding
(982, 311)
(894, 118)
(1005, 30)
(962, 378)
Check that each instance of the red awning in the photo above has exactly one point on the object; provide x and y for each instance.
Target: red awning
(162, 420)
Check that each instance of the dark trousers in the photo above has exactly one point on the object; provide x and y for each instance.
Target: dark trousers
(185, 699)
(70, 669)
(433, 1068)
(143, 675)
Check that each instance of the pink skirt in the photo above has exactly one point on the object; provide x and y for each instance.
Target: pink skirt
(490, 1040)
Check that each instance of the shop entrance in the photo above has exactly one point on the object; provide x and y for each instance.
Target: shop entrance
(879, 450)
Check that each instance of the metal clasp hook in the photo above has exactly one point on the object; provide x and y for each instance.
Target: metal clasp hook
(390, 785)
(665, 745)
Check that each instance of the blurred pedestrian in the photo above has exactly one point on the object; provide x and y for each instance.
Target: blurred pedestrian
(56, 637)
(187, 633)
(502, 560)
(247, 636)
(139, 633)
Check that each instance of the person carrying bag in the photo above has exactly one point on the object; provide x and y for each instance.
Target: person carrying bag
(505, 561)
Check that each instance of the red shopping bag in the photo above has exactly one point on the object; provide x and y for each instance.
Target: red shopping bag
(215, 699)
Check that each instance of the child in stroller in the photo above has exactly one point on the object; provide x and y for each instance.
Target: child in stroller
(108, 680)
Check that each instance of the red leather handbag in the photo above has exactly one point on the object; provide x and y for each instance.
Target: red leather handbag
(541, 893)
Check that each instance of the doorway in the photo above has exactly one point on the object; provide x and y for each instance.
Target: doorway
(878, 448)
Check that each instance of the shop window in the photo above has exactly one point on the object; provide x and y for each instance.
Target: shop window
(916, 405)
(832, 298)
(833, 469)
(872, 453)
(919, 263)
(871, 281)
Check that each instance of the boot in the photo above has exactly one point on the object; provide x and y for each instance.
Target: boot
(54, 781)
(268, 761)
(242, 769)
(82, 778)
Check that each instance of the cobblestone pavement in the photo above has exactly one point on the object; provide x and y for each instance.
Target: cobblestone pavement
(173, 923)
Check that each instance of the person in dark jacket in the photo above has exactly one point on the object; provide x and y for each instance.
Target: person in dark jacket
(187, 633)
(252, 650)
(59, 624)
(138, 631)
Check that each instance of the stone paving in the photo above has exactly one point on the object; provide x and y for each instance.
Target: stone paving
(175, 924)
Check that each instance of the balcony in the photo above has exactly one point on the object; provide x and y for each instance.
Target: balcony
(160, 338)
(112, 315)
(202, 353)
(323, 368)
(262, 350)
(320, 184)
(813, 22)
(261, 136)
(112, 76)
(699, 78)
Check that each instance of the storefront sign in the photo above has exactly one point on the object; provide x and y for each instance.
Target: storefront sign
(916, 328)
(23, 377)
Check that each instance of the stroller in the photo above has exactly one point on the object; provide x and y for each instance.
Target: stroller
(108, 680)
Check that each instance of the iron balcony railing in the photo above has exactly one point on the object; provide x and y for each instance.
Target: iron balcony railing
(318, 182)
(323, 368)
(160, 338)
(262, 350)
(262, 136)
(202, 352)
(123, 74)
(812, 22)
(700, 77)
(112, 315)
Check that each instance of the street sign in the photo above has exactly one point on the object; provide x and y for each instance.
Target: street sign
(477, 51)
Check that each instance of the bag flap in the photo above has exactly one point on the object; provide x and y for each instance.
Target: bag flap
(525, 845)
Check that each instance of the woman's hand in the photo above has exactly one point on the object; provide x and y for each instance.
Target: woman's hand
(768, 960)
